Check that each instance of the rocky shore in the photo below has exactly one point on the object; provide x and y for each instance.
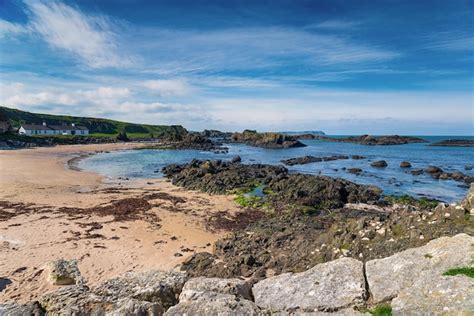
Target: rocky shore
(194, 141)
(310, 159)
(375, 140)
(266, 140)
(455, 143)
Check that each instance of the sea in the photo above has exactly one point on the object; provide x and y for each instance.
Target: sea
(393, 180)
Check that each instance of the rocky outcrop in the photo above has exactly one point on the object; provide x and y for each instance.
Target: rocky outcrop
(64, 272)
(297, 189)
(310, 159)
(389, 276)
(149, 293)
(266, 140)
(214, 296)
(325, 287)
(375, 140)
(194, 141)
(438, 173)
(30, 309)
(455, 143)
(468, 202)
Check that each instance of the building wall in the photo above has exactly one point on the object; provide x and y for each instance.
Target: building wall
(51, 132)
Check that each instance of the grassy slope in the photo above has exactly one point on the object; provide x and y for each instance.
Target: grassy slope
(97, 127)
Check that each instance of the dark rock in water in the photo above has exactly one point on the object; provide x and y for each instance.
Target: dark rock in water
(433, 169)
(354, 170)
(191, 141)
(375, 140)
(308, 190)
(311, 159)
(379, 164)
(357, 157)
(468, 168)
(266, 140)
(455, 143)
(236, 159)
(405, 164)
(417, 172)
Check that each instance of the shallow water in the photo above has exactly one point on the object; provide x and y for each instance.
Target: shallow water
(392, 179)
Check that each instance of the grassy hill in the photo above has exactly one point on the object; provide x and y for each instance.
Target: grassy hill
(97, 126)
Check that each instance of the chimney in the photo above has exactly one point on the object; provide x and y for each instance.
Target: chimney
(44, 123)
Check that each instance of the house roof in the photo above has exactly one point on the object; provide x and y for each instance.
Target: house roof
(34, 127)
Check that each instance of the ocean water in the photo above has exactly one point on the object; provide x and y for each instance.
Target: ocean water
(392, 179)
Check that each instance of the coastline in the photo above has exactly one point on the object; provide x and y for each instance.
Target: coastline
(50, 211)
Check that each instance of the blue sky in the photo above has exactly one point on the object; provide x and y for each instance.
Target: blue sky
(345, 67)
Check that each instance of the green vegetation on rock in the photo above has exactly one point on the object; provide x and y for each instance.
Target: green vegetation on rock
(467, 271)
(381, 310)
(423, 203)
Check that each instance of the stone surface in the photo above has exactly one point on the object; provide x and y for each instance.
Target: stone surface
(438, 295)
(379, 164)
(468, 202)
(214, 296)
(148, 293)
(389, 276)
(64, 272)
(12, 309)
(405, 164)
(325, 287)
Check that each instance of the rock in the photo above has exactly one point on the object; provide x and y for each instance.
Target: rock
(357, 157)
(389, 276)
(375, 140)
(433, 169)
(379, 164)
(266, 140)
(64, 272)
(468, 168)
(405, 164)
(328, 286)
(417, 172)
(354, 170)
(455, 143)
(214, 296)
(132, 293)
(310, 159)
(236, 159)
(30, 309)
(468, 202)
(436, 295)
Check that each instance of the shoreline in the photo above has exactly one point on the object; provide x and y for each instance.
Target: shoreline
(50, 211)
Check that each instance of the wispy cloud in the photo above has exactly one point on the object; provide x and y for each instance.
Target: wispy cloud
(335, 25)
(89, 38)
(450, 42)
(11, 29)
(169, 87)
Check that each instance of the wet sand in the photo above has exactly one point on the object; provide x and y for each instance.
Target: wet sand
(49, 211)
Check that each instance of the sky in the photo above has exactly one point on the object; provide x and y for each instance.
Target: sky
(343, 67)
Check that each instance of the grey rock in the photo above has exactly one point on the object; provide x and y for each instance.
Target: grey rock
(379, 164)
(64, 272)
(236, 159)
(325, 287)
(148, 293)
(405, 164)
(433, 169)
(438, 295)
(389, 276)
(468, 202)
(12, 309)
(214, 296)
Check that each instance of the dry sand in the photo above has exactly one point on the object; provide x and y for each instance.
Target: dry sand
(169, 223)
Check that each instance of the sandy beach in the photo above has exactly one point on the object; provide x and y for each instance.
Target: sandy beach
(50, 211)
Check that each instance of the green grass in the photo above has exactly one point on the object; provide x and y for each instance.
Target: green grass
(381, 310)
(423, 203)
(467, 271)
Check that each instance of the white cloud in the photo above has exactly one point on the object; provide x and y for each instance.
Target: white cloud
(171, 87)
(86, 37)
(11, 29)
(335, 25)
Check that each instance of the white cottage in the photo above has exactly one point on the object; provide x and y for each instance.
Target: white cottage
(45, 129)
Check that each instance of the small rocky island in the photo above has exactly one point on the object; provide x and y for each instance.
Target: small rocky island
(375, 140)
(266, 140)
(455, 143)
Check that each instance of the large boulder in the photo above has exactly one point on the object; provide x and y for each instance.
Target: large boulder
(389, 276)
(147, 293)
(379, 164)
(64, 272)
(325, 287)
(30, 309)
(214, 296)
(468, 202)
(437, 295)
